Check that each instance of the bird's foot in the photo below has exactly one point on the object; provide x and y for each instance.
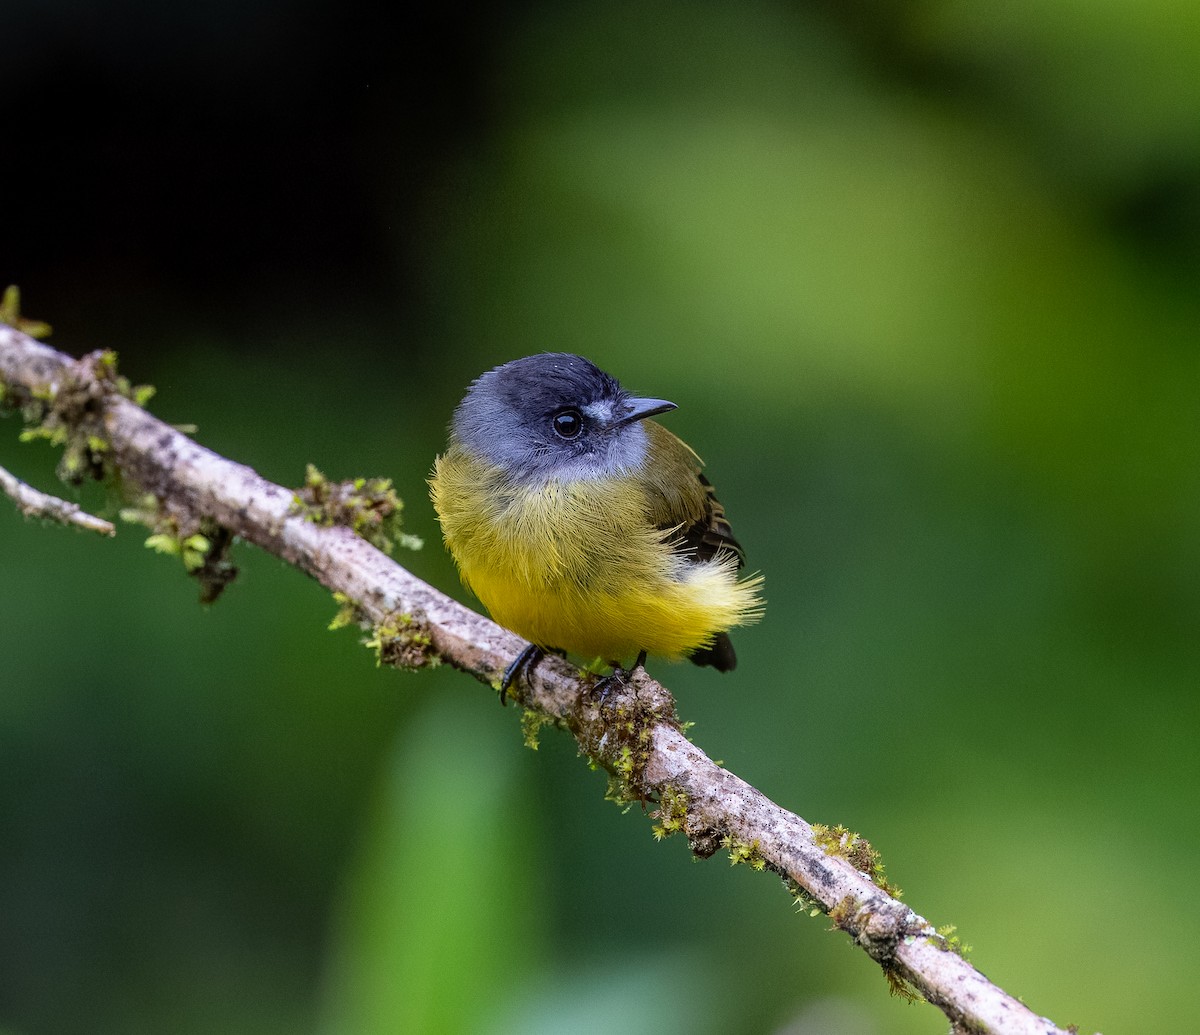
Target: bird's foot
(521, 668)
(617, 680)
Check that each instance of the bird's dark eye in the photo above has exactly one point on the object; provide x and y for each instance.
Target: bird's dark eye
(567, 423)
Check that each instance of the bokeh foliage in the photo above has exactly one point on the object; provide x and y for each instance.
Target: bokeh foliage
(922, 279)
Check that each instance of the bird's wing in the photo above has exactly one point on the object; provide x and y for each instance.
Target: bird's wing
(711, 533)
(683, 502)
(685, 508)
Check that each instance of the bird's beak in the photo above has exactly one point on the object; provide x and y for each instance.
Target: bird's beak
(640, 409)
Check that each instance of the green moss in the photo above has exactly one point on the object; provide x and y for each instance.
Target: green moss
(144, 510)
(949, 941)
(348, 613)
(620, 790)
(402, 640)
(802, 899)
(746, 852)
(203, 547)
(623, 764)
(671, 812)
(531, 727)
(367, 506)
(207, 560)
(10, 313)
(856, 850)
(70, 413)
(899, 987)
(616, 736)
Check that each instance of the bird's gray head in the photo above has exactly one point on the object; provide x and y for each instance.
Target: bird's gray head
(554, 415)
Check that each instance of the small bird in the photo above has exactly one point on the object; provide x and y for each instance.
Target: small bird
(584, 526)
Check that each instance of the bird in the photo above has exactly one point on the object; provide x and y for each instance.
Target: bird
(585, 526)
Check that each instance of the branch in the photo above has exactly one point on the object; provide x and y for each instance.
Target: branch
(33, 503)
(635, 734)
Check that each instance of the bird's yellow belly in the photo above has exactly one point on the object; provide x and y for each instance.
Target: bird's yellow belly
(577, 566)
(613, 623)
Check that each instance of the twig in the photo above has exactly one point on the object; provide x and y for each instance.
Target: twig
(33, 503)
(635, 734)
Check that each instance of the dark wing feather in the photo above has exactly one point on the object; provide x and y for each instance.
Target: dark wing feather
(684, 507)
(711, 533)
(704, 539)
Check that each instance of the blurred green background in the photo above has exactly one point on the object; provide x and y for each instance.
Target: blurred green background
(923, 280)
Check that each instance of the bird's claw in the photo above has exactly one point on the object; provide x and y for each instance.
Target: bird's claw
(521, 667)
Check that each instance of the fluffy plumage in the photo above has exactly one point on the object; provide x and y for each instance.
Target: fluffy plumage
(604, 541)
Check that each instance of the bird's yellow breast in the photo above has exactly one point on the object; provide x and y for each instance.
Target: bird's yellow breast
(580, 565)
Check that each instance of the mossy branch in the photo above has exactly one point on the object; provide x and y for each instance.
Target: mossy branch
(635, 734)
